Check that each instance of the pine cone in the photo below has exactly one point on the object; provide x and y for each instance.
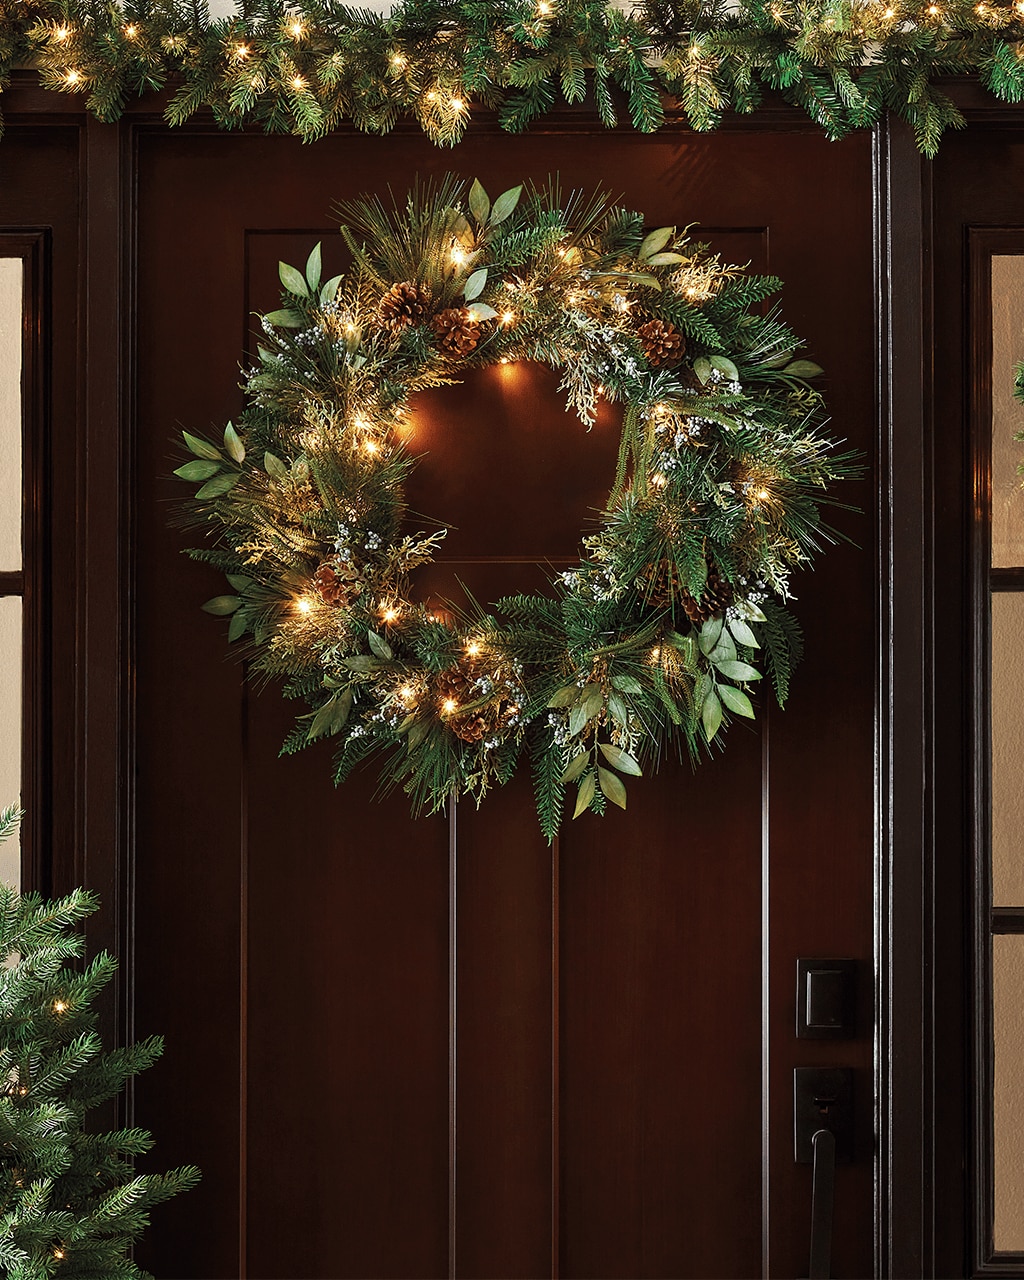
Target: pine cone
(661, 584)
(457, 332)
(715, 598)
(403, 305)
(337, 582)
(662, 342)
(456, 686)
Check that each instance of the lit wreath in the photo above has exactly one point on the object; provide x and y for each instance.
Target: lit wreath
(656, 638)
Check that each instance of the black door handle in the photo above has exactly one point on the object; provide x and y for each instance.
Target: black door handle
(823, 1180)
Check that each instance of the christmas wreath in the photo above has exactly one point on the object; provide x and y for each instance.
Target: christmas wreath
(662, 632)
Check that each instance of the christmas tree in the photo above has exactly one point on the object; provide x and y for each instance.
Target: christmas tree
(71, 1203)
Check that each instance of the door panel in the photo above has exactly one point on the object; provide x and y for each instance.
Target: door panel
(430, 1048)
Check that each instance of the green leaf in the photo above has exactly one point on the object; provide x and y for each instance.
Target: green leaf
(233, 444)
(724, 365)
(576, 767)
(361, 662)
(292, 280)
(200, 447)
(332, 716)
(314, 268)
(285, 319)
(751, 610)
(221, 606)
(643, 277)
(803, 369)
(626, 684)
(709, 634)
(218, 486)
(739, 671)
(702, 368)
(654, 242)
(724, 651)
(237, 626)
(578, 717)
(585, 794)
(481, 311)
(321, 721)
(594, 704)
(238, 580)
(380, 646)
(664, 259)
(274, 466)
(564, 697)
(479, 202)
(612, 786)
(620, 759)
(475, 284)
(711, 715)
(736, 700)
(743, 634)
(197, 469)
(330, 290)
(617, 709)
(504, 205)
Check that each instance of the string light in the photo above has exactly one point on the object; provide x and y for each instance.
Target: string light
(73, 77)
(242, 51)
(61, 34)
(296, 28)
(298, 82)
(304, 605)
(658, 480)
(58, 1253)
(543, 9)
(449, 705)
(370, 446)
(457, 104)
(59, 1006)
(407, 693)
(131, 31)
(655, 653)
(473, 648)
(390, 613)
(508, 317)
(397, 61)
(458, 256)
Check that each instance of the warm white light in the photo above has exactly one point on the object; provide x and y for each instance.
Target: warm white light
(131, 31)
(241, 51)
(298, 82)
(473, 648)
(61, 34)
(389, 614)
(458, 256)
(73, 77)
(397, 61)
(407, 693)
(762, 495)
(296, 28)
(508, 317)
(360, 423)
(655, 653)
(449, 705)
(59, 1006)
(457, 104)
(304, 604)
(370, 446)
(659, 481)
(543, 8)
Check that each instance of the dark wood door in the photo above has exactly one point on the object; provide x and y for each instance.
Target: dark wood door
(439, 1047)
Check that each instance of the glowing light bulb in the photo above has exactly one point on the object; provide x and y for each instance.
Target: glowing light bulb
(304, 605)
(457, 104)
(543, 9)
(508, 317)
(61, 34)
(407, 693)
(242, 51)
(655, 653)
(59, 1006)
(397, 61)
(298, 82)
(131, 31)
(360, 423)
(431, 96)
(296, 28)
(58, 1253)
(458, 256)
(659, 481)
(934, 10)
(448, 706)
(389, 614)
(370, 446)
(599, 389)
(473, 648)
(762, 495)
(73, 77)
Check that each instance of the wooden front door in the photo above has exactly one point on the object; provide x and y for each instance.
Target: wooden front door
(439, 1047)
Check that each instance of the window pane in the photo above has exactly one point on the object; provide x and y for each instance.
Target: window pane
(10, 726)
(1007, 413)
(1008, 1110)
(1008, 749)
(11, 273)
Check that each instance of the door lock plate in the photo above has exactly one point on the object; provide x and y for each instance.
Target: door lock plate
(822, 1099)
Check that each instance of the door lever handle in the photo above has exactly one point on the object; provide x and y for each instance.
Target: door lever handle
(823, 1179)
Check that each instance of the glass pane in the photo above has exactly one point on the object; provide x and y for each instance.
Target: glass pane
(10, 727)
(1007, 413)
(1008, 1109)
(1008, 749)
(11, 273)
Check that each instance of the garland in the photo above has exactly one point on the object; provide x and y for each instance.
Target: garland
(306, 68)
(655, 641)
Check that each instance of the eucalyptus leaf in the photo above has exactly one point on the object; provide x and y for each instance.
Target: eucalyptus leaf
(321, 721)
(585, 794)
(362, 662)
(578, 717)
(221, 606)
(743, 634)
(292, 280)
(620, 759)
(238, 580)
(233, 444)
(711, 715)
(643, 277)
(803, 369)
(380, 646)
(197, 469)
(709, 634)
(201, 448)
(504, 205)
(274, 466)
(314, 268)
(564, 697)
(665, 259)
(739, 671)
(218, 486)
(285, 318)
(329, 290)
(736, 700)
(626, 684)
(479, 202)
(654, 242)
(612, 786)
(724, 651)
(237, 625)
(702, 369)
(617, 709)
(481, 311)
(751, 610)
(724, 365)
(576, 767)
(594, 704)
(475, 284)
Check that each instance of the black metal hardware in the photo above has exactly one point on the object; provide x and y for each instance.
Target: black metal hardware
(822, 1099)
(826, 999)
(822, 1196)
